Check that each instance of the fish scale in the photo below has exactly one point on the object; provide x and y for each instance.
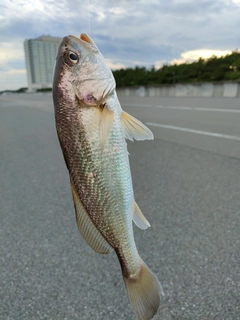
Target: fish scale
(86, 160)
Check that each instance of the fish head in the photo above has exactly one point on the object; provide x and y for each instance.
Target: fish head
(81, 72)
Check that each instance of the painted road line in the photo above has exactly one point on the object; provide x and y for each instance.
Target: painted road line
(181, 108)
(199, 109)
(172, 107)
(136, 105)
(205, 133)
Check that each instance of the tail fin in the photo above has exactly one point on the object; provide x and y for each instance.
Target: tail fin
(144, 293)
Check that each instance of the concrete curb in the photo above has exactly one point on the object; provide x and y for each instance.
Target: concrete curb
(223, 89)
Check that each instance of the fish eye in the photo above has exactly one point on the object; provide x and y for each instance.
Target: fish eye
(70, 58)
(73, 57)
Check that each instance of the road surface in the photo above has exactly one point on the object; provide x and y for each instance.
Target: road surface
(186, 182)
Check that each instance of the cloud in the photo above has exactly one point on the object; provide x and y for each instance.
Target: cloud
(114, 66)
(158, 64)
(118, 10)
(237, 2)
(127, 32)
(16, 71)
(9, 51)
(11, 56)
(13, 79)
(194, 55)
(13, 74)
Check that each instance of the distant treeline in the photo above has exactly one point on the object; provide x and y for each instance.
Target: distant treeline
(24, 89)
(20, 90)
(225, 68)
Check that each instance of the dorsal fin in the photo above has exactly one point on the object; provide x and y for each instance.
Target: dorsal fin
(86, 38)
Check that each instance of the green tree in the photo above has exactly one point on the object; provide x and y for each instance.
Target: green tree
(225, 68)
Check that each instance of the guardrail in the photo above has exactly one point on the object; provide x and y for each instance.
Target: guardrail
(225, 89)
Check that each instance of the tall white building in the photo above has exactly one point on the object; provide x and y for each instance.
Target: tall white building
(40, 55)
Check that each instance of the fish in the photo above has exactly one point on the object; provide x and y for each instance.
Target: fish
(92, 130)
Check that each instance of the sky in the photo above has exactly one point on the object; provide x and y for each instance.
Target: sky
(127, 32)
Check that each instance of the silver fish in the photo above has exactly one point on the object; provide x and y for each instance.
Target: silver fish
(92, 128)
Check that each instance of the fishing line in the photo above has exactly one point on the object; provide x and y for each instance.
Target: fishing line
(89, 19)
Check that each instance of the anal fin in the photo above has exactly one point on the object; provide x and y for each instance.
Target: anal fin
(86, 227)
(139, 218)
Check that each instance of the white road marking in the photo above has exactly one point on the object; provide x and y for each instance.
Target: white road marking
(205, 133)
(136, 105)
(182, 108)
(172, 107)
(199, 109)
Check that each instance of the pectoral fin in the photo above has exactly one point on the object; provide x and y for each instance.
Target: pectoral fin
(105, 125)
(133, 128)
(88, 230)
(139, 218)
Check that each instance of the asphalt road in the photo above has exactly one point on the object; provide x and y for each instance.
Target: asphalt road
(186, 183)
